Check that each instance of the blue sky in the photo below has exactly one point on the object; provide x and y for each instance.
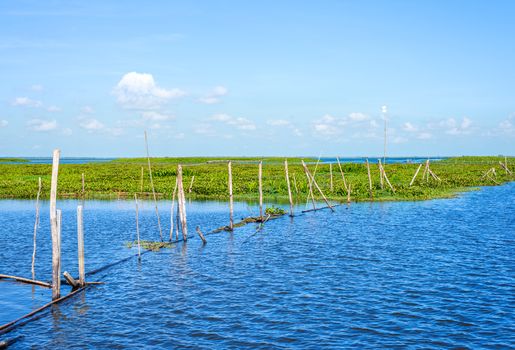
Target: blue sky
(262, 78)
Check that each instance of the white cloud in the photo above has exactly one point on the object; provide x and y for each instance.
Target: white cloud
(26, 102)
(42, 125)
(452, 127)
(238, 122)
(214, 96)
(409, 127)
(53, 109)
(3, 123)
(358, 117)
(140, 91)
(91, 124)
(155, 116)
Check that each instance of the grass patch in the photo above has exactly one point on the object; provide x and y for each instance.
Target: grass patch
(150, 245)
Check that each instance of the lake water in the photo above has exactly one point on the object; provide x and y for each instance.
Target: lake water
(433, 274)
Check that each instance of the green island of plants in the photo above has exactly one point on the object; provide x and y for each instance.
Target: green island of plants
(122, 178)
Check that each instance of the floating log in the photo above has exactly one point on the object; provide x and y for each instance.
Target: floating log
(153, 189)
(321, 208)
(56, 258)
(288, 185)
(248, 220)
(26, 280)
(414, 176)
(71, 281)
(4, 344)
(316, 185)
(36, 224)
(231, 204)
(80, 244)
(201, 235)
(260, 184)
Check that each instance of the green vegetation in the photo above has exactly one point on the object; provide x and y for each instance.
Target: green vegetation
(149, 245)
(13, 160)
(273, 210)
(122, 178)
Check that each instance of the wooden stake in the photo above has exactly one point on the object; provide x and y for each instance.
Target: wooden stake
(153, 189)
(137, 226)
(56, 266)
(310, 185)
(56, 273)
(260, 184)
(316, 185)
(369, 179)
(381, 171)
(201, 235)
(83, 186)
(171, 210)
(26, 280)
(71, 281)
(414, 176)
(343, 176)
(80, 243)
(426, 172)
(288, 184)
(36, 224)
(231, 204)
(295, 184)
(331, 177)
(191, 183)
(388, 181)
(348, 193)
(181, 203)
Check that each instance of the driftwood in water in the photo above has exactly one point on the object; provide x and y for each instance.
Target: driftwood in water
(71, 281)
(248, 220)
(36, 224)
(26, 280)
(201, 235)
(153, 189)
(56, 257)
(4, 344)
(321, 208)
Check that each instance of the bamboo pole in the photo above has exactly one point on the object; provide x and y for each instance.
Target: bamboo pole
(26, 280)
(201, 235)
(171, 210)
(191, 183)
(369, 179)
(381, 172)
(289, 187)
(343, 176)
(83, 186)
(506, 165)
(331, 177)
(414, 176)
(80, 243)
(181, 203)
(310, 183)
(153, 189)
(231, 204)
(295, 184)
(388, 181)
(348, 193)
(36, 224)
(56, 287)
(56, 259)
(316, 185)
(137, 226)
(425, 174)
(260, 185)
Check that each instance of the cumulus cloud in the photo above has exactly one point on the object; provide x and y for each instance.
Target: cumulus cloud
(453, 127)
(238, 122)
(140, 91)
(26, 102)
(3, 123)
(42, 125)
(214, 96)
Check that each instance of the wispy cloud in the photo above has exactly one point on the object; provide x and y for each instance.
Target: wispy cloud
(214, 96)
(42, 125)
(238, 122)
(140, 91)
(26, 102)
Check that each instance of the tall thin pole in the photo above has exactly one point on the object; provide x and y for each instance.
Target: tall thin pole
(171, 210)
(181, 205)
(56, 258)
(231, 204)
(153, 190)
(80, 244)
(36, 224)
(289, 187)
(137, 226)
(331, 176)
(260, 184)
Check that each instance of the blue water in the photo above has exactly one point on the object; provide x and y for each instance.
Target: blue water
(433, 274)
(63, 160)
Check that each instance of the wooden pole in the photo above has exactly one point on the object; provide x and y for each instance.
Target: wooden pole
(388, 181)
(181, 203)
(295, 184)
(506, 164)
(316, 185)
(191, 183)
(343, 176)
(201, 235)
(425, 174)
(381, 171)
(289, 187)
(171, 210)
(80, 243)
(153, 189)
(56, 268)
(83, 186)
(348, 193)
(71, 281)
(260, 184)
(137, 226)
(415, 176)
(141, 181)
(369, 179)
(26, 280)
(310, 186)
(56, 278)
(36, 224)
(331, 177)
(231, 204)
